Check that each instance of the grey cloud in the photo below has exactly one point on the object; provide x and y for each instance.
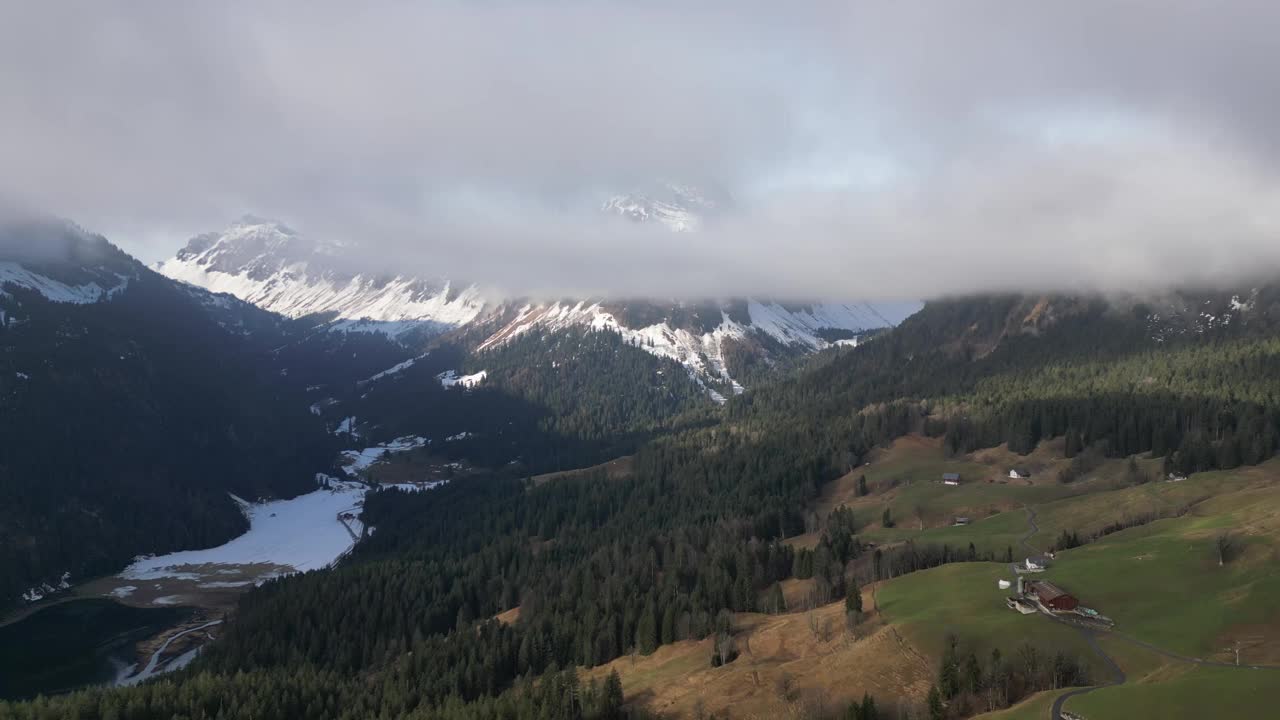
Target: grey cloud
(912, 150)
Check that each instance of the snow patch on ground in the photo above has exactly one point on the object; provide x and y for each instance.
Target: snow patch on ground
(182, 660)
(346, 427)
(123, 591)
(450, 378)
(358, 461)
(55, 291)
(318, 407)
(393, 329)
(302, 533)
(44, 590)
(394, 369)
(415, 487)
(167, 600)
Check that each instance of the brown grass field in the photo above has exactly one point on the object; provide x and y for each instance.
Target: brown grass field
(614, 469)
(786, 663)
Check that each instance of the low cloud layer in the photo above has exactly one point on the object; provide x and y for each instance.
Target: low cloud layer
(926, 149)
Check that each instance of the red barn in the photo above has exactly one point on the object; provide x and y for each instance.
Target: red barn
(1053, 597)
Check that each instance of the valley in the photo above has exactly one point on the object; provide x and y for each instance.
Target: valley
(199, 589)
(76, 643)
(585, 495)
(582, 360)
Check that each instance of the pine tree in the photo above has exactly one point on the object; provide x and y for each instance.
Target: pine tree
(777, 601)
(1073, 443)
(949, 670)
(934, 700)
(613, 697)
(868, 710)
(647, 630)
(669, 623)
(853, 600)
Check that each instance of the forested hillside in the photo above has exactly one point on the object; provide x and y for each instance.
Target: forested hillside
(549, 401)
(1190, 378)
(599, 566)
(126, 419)
(124, 426)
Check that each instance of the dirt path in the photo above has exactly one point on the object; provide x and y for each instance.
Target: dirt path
(1025, 540)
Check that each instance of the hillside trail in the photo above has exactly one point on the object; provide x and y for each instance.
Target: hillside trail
(1091, 635)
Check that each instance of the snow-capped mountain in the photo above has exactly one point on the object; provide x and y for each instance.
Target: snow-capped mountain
(131, 404)
(701, 337)
(61, 262)
(274, 267)
(681, 208)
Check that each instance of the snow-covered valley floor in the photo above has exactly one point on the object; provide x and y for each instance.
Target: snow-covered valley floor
(285, 536)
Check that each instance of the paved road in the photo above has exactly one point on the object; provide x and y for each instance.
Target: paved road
(1118, 676)
(1090, 636)
(352, 533)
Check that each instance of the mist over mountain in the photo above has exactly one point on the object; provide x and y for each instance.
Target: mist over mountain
(276, 268)
(634, 360)
(867, 152)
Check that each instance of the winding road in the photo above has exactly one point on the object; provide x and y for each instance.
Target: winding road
(1090, 636)
(151, 669)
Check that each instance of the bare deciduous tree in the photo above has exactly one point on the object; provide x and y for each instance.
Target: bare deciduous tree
(724, 646)
(1225, 547)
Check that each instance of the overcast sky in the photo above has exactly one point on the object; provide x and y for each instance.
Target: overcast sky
(873, 150)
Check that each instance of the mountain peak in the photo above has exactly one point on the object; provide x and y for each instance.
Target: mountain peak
(249, 219)
(678, 206)
(273, 266)
(58, 259)
(251, 245)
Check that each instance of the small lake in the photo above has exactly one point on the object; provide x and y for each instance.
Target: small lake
(75, 643)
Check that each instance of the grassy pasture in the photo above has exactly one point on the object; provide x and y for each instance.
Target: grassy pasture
(962, 598)
(1035, 707)
(1161, 582)
(1200, 692)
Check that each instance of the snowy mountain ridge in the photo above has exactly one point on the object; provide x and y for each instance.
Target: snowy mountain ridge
(12, 273)
(703, 353)
(62, 262)
(270, 265)
(681, 208)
